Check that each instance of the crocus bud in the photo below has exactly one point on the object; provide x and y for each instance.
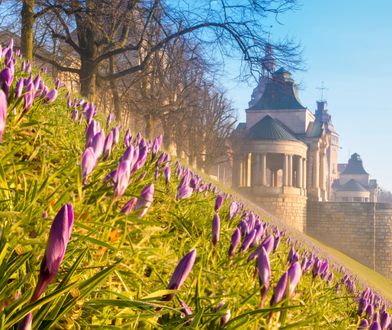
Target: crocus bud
(26, 323)
(59, 236)
(121, 179)
(248, 240)
(184, 192)
(295, 274)
(6, 77)
(98, 144)
(264, 271)
(385, 320)
(218, 203)
(89, 160)
(116, 135)
(107, 148)
(51, 96)
(18, 88)
(280, 290)
(145, 199)
(215, 229)
(185, 308)
(375, 326)
(127, 208)
(363, 325)
(233, 210)
(3, 113)
(166, 173)
(225, 318)
(235, 240)
(181, 272)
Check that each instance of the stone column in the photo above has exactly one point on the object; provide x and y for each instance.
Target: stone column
(285, 170)
(290, 170)
(316, 173)
(299, 173)
(323, 171)
(249, 170)
(263, 169)
(256, 172)
(304, 173)
(236, 172)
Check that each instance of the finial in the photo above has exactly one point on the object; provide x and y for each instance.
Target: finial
(322, 88)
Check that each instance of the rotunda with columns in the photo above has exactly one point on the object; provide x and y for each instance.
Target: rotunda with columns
(284, 154)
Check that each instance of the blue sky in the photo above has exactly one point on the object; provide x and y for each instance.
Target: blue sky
(347, 45)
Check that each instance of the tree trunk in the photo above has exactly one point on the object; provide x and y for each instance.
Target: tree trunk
(88, 79)
(26, 40)
(116, 96)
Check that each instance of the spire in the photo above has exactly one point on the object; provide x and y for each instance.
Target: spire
(268, 62)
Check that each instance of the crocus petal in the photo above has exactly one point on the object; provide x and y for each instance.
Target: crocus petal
(181, 272)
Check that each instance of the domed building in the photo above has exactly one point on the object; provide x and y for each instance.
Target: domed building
(354, 183)
(284, 154)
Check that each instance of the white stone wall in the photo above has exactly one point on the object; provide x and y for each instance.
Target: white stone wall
(296, 120)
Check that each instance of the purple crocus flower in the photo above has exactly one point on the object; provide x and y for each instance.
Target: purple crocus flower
(6, 77)
(89, 160)
(385, 320)
(166, 173)
(143, 153)
(116, 135)
(280, 290)
(295, 274)
(51, 96)
(75, 115)
(248, 240)
(59, 236)
(3, 113)
(18, 88)
(98, 144)
(363, 325)
(26, 323)
(233, 210)
(121, 179)
(369, 311)
(185, 308)
(145, 199)
(375, 326)
(264, 271)
(128, 138)
(181, 272)
(218, 203)
(225, 318)
(184, 192)
(215, 229)
(235, 240)
(107, 148)
(92, 129)
(127, 208)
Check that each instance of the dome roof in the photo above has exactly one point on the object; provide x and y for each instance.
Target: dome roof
(353, 185)
(354, 165)
(270, 129)
(279, 93)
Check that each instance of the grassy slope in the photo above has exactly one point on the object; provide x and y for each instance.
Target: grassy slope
(40, 170)
(364, 274)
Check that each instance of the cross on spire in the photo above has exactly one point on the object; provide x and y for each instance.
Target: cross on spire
(322, 88)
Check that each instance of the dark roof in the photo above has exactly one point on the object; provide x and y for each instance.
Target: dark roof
(354, 165)
(352, 185)
(279, 93)
(241, 126)
(315, 129)
(270, 129)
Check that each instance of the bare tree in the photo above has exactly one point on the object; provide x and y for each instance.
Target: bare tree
(99, 30)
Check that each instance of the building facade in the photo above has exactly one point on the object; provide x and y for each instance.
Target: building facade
(284, 154)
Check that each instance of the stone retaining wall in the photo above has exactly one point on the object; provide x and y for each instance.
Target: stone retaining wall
(363, 231)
